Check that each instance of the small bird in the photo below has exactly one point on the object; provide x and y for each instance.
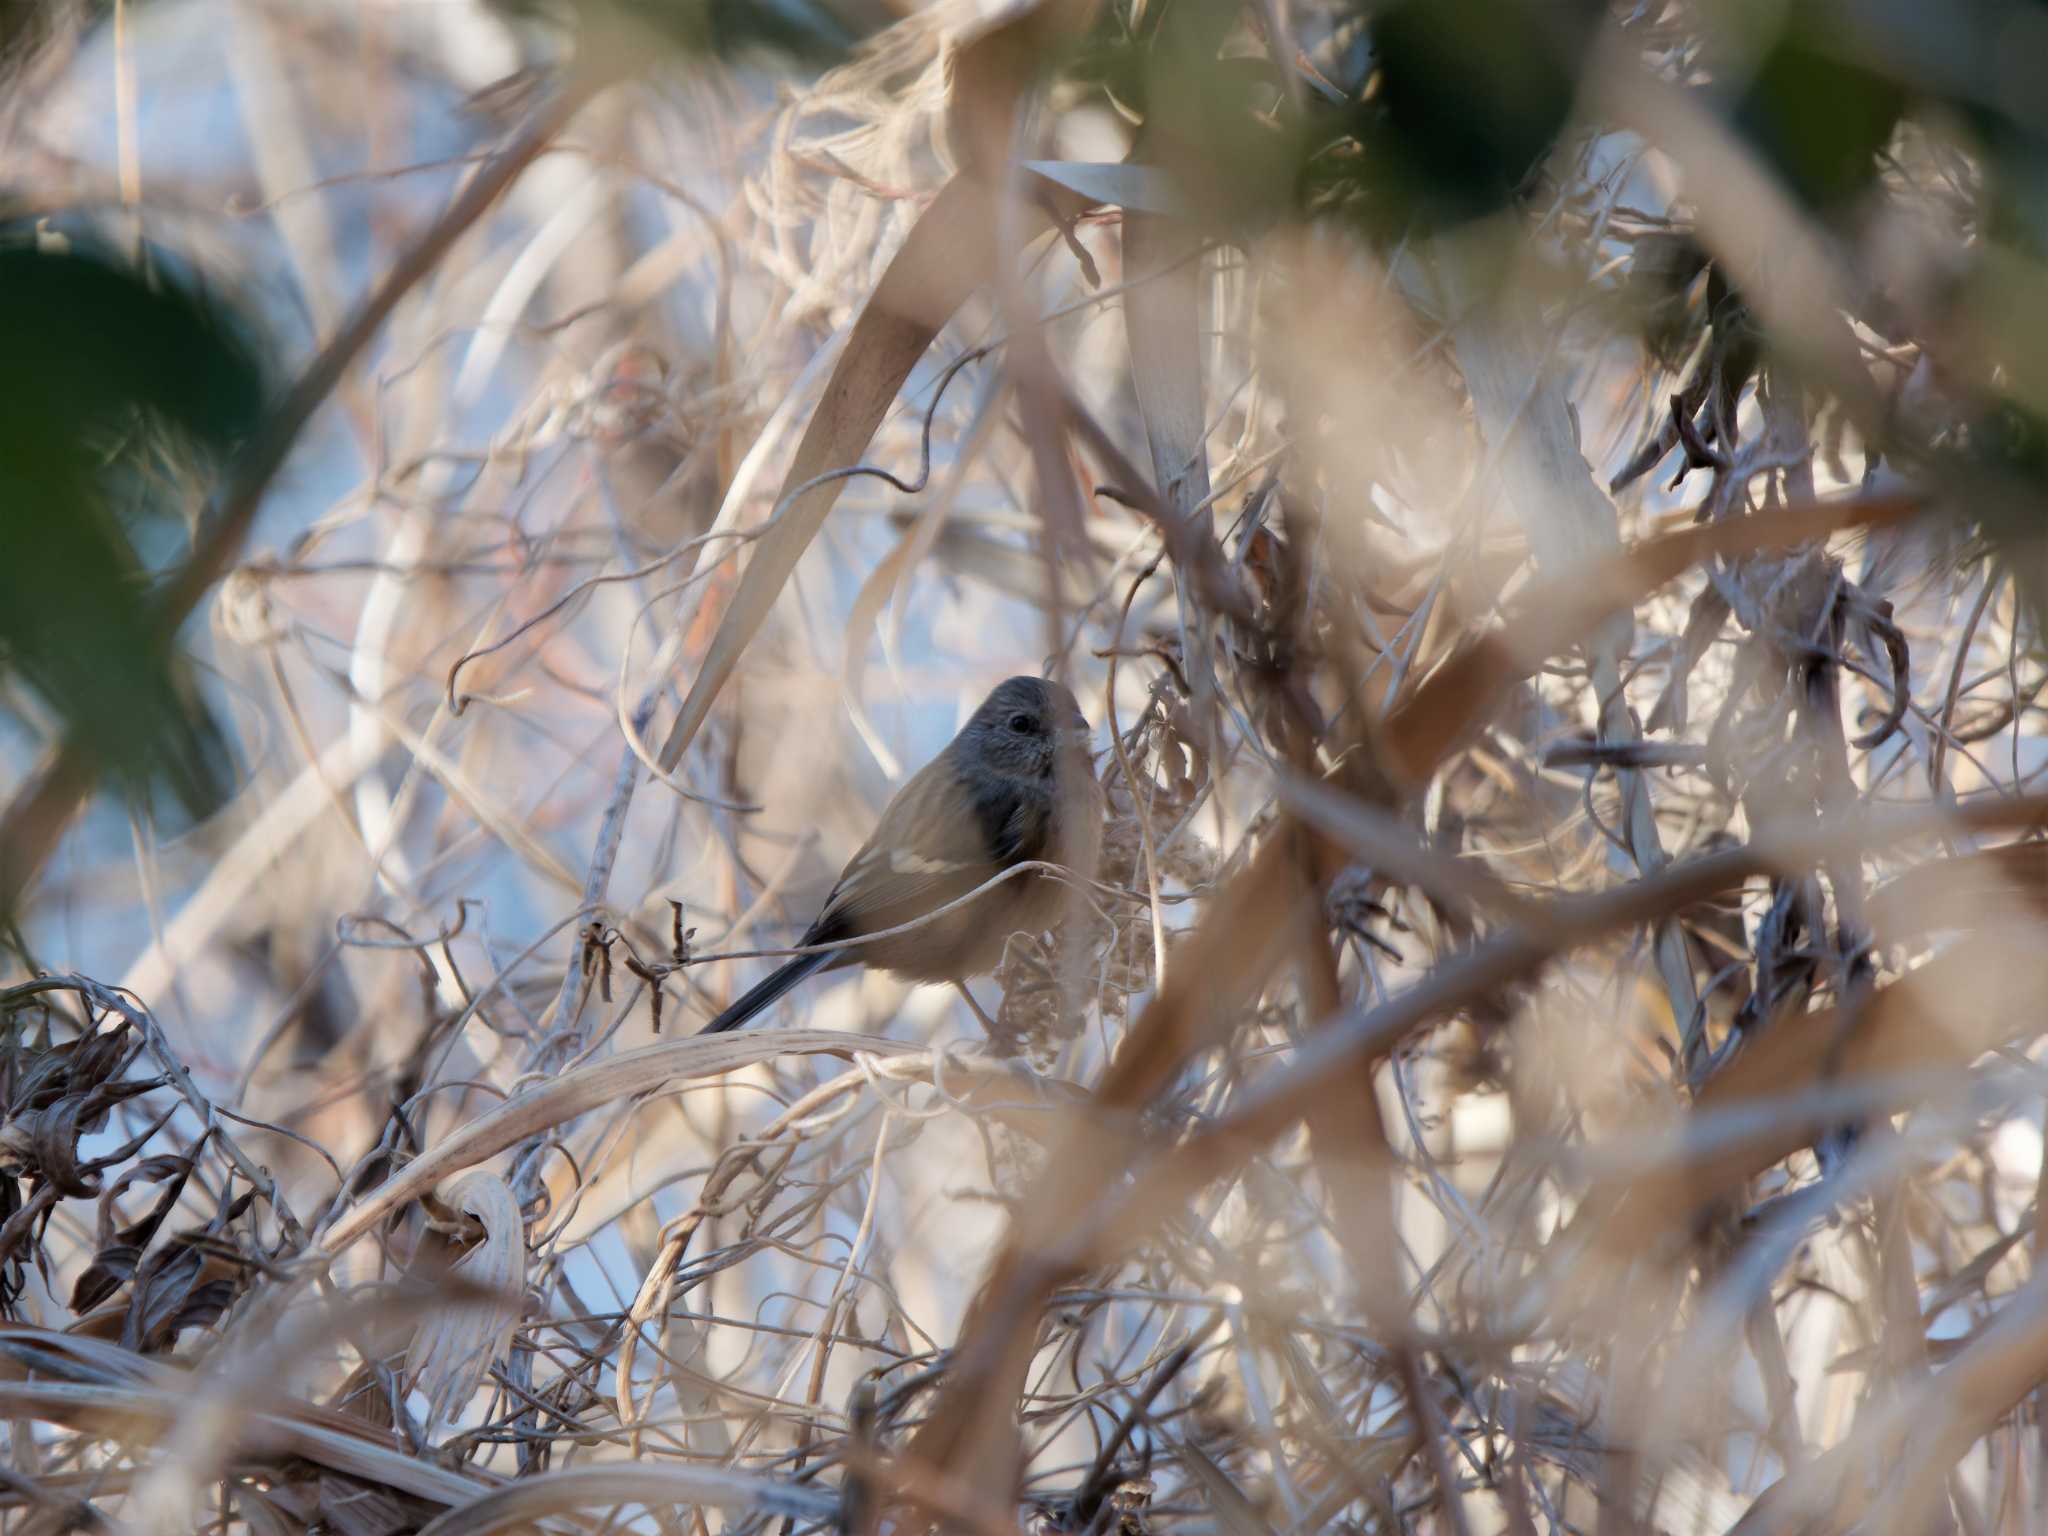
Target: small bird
(1012, 787)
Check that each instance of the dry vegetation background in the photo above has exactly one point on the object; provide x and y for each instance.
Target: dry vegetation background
(1537, 501)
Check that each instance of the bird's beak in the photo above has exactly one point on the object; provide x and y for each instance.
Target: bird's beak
(1076, 733)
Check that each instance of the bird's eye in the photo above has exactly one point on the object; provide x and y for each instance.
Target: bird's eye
(1021, 724)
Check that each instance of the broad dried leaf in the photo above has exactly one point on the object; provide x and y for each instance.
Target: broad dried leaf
(351, 1507)
(169, 1169)
(140, 1139)
(1960, 892)
(164, 1288)
(205, 1305)
(53, 1136)
(947, 255)
(264, 1517)
(1133, 188)
(120, 1253)
(41, 1075)
(112, 1267)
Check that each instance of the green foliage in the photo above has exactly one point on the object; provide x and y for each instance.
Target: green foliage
(1818, 118)
(1468, 97)
(95, 357)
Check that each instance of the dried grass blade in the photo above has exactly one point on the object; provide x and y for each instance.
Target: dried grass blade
(147, 1413)
(1162, 317)
(948, 254)
(583, 1089)
(570, 1489)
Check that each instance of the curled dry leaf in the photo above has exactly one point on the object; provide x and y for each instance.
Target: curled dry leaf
(458, 1343)
(188, 1283)
(119, 1252)
(53, 1136)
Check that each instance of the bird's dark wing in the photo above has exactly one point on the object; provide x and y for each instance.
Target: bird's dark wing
(936, 842)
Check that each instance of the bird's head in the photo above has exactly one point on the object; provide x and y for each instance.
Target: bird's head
(1027, 727)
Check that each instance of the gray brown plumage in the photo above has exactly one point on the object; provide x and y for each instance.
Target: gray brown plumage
(1012, 787)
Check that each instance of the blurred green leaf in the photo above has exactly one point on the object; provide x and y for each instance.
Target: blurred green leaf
(2005, 115)
(2016, 185)
(94, 355)
(1214, 120)
(1994, 454)
(2000, 471)
(1468, 97)
(1818, 118)
(724, 27)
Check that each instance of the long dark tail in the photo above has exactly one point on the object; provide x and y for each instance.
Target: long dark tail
(768, 989)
